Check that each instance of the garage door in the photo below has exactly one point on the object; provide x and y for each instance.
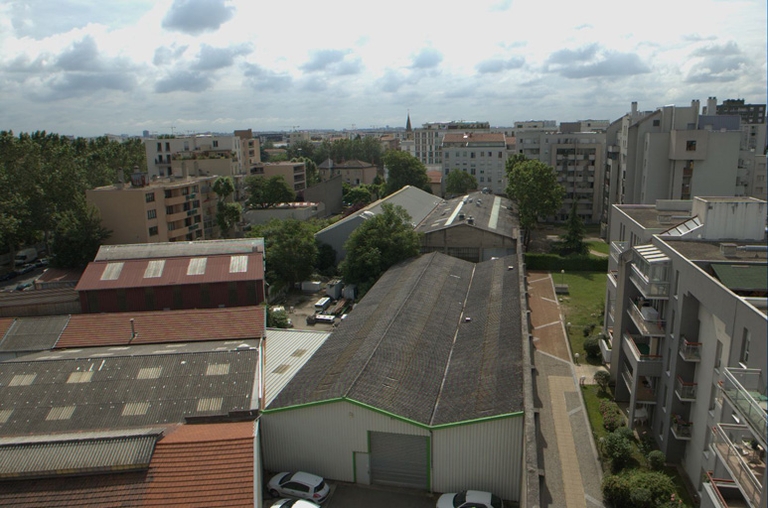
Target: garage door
(399, 460)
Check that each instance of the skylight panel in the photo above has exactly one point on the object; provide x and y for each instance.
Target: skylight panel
(135, 409)
(80, 377)
(22, 379)
(154, 269)
(60, 413)
(197, 266)
(149, 373)
(217, 369)
(112, 271)
(210, 404)
(5, 415)
(238, 264)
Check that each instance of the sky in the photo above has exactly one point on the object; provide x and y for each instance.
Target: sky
(87, 68)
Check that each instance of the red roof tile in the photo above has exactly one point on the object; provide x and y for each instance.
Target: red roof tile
(174, 272)
(114, 329)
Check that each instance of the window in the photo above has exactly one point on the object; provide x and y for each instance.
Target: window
(185, 191)
(656, 123)
(713, 396)
(677, 283)
(499, 155)
(149, 197)
(153, 231)
(167, 146)
(215, 143)
(159, 147)
(168, 193)
(718, 355)
(152, 214)
(168, 210)
(690, 145)
(471, 155)
(745, 339)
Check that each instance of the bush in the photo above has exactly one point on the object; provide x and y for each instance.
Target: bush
(626, 432)
(618, 448)
(592, 347)
(656, 460)
(651, 488)
(603, 379)
(555, 263)
(612, 421)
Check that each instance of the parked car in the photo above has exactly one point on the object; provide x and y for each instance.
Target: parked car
(42, 262)
(294, 503)
(9, 276)
(29, 267)
(23, 286)
(299, 484)
(469, 499)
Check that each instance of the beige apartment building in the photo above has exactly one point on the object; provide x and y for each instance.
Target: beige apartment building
(200, 155)
(294, 173)
(159, 210)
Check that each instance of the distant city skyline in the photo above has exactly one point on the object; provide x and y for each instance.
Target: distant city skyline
(87, 68)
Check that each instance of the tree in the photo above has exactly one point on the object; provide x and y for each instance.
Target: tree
(405, 169)
(78, 236)
(360, 195)
(267, 192)
(603, 379)
(459, 182)
(572, 242)
(534, 188)
(291, 250)
(227, 213)
(378, 243)
(300, 149)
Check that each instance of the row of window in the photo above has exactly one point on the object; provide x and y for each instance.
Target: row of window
(472, 154)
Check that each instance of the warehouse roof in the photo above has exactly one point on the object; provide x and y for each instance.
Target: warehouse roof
(182, 249)
(33, 333)
(437, 340)
(125, 387)
(484, 211)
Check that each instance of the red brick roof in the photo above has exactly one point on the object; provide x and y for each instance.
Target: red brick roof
(174, 272)
(207, 465)
(114, 329)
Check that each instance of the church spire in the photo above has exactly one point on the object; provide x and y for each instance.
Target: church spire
(408, 128)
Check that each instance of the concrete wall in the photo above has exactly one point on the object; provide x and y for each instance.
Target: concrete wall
(328, 192)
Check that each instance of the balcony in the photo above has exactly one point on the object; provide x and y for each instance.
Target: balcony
(613, 277)
(741, 388)
(681, 428)
(724, 493)
(647, 320)
(690, 351)
(175, 200)
(742, 456)
(651, 289)
(606, 346)
(644, 391)
(617, 249)
(686, 392)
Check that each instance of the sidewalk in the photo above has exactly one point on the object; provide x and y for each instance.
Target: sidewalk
(567, 454)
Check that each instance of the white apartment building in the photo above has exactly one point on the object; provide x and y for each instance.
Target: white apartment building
(429, 138)
(481, 154)
(198, 155)
(686, 328)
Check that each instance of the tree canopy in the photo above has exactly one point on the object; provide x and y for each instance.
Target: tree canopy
(267, 192)
(405, 169)
(228, 214)
(572, 242)
(459, 182)
(534, 188)
(378, 243)
(291, 249)
(77, 236)
(367, 149)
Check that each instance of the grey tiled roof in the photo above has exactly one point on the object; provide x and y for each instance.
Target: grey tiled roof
(124, 387)
(33, 333)
(407, 349)
(489, 212)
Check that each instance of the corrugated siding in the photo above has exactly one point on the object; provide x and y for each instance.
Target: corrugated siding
(285, 352)
(482, 456)
(322, 438)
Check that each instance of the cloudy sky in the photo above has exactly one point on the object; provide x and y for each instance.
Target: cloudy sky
(87, 67)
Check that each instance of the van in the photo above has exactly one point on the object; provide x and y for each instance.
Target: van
(25, 256)
(322, 304)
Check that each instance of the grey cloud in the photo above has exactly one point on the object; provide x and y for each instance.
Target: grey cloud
(320, 60)
(211, 58)
(263, 79)
(195, 17)
(349, 67)
(697, 38)
(165, 55)
(717, 63)
(392, 81)
(495, 65)
(427, 58)
(727, 49)
(81, 56)
(79, 84)
(22, 64)
(501, 5)
(593, 61)
(184, 81)
(314, 84)
(583, 26)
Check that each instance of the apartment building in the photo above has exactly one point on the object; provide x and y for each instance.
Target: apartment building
(199, 155)
(294, 173)
(428, 139)
(686, 321)
(481, 154)
(251, 147)
(159, 210)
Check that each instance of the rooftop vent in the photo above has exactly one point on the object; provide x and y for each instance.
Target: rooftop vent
(728, 249)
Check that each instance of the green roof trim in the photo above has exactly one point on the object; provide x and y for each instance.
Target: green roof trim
(395, 416)
(743, 277)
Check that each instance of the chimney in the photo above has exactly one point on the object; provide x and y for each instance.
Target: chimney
(133, 332)
(711, 105)
(184, 170)
(634, 108)
(695, 105)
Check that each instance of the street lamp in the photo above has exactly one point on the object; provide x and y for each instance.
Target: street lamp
(562, 278)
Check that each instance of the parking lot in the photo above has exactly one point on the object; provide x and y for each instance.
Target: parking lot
(350, 495)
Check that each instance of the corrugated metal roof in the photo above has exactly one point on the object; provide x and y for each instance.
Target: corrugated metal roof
(33, 333)
(285, 353)
(179, 249)
(396, 350)
(151, 327)
(76, 456)
(490, 213)
(174, 271)
(115, 382)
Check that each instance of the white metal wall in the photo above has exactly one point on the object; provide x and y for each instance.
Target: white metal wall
(480, 456)
(321, 439)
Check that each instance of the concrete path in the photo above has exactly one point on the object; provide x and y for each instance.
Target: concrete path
(567, 453)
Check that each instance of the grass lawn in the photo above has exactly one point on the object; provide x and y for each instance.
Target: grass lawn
(599, 246)
(583, 306)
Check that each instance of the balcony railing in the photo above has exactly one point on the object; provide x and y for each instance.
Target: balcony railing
(641, 349)
(647, 320)
(685, 391)
(657, 289)
(690, 351)
(724, 493)
(617, 249)
(681, 428)
(745, 462)
(742, 389)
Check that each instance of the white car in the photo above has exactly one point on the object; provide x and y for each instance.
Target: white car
(469, 499)
(299, 484)
(294, 503)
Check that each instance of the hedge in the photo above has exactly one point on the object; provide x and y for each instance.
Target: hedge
(554, 263)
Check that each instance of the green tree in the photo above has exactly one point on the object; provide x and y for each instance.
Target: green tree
(618, 449)
(228, 214)
(459, 182)
(405, 169)
(325, 262)
(603, 379)
(534, 188)
(360, 195)
(301, 149)
(572, 242)
(378, 243)
(78, 236)
(291, 250)
(267, 192)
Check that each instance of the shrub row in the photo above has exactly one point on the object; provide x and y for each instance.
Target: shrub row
(612, 417)
(553, 262)
(640, 489)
